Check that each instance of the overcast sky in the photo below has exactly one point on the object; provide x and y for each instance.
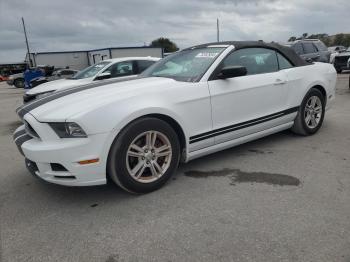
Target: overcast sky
(62, 25)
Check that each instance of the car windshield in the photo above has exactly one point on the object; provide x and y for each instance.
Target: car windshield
(188, 65)
(90, 71)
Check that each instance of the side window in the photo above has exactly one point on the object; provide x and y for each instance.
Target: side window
(321, 46)
(143, 65)
(256, 60)
(283, 62)
(298, 48)
(121, 69)
(309, 48)
(66, 72)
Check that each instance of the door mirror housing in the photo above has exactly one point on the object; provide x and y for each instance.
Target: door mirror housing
(232, 71)
(104, 75)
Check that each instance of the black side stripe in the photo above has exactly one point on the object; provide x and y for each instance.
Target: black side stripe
(20, 140)
(235, 127)
(19, 133)
(21, 111)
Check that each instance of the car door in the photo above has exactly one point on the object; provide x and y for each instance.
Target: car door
(311, 52)
(248, 104)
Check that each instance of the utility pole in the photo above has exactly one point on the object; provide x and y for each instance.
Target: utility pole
(217, 30)
(28, 52)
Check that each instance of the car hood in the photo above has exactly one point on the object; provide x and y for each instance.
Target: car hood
(343, 54)
(60, 84)
(16, 75)
(90, 98)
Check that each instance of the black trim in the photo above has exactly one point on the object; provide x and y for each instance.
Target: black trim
(286, 51)
(235, 127)
(20, 140)
(19, 133)
(31, 166)
(21, 111)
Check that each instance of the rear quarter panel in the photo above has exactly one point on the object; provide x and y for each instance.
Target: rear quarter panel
(302, 79)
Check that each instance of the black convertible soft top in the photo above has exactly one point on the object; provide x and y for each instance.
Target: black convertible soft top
(288, 52)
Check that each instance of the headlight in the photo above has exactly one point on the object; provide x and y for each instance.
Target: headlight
(68, 130)
(43, 94)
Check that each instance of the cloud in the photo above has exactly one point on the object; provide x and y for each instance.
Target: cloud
(84, 24)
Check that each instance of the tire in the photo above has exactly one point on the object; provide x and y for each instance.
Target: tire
(303, 124)
(19, 83)
(140, 174)
(339, 71)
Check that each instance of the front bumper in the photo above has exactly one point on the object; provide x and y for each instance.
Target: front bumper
(47, 152)
(342, 63)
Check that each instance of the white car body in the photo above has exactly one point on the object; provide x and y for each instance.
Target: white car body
(63, 84)
(201, 109)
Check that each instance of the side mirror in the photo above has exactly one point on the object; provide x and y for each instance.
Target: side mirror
(104, 75)
(232, 71)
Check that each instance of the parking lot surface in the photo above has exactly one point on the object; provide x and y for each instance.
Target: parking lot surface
(280, 198)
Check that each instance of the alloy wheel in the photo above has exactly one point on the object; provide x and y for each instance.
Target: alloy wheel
(148, 156)
(313, 112)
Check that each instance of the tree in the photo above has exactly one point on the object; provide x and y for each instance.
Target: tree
(347, 40)
(339, 39)
(305, 35)
(165, 43)
(292, 39)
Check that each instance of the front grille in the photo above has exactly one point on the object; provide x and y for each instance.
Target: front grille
(58, 167)
(30, 130)
(341, 59)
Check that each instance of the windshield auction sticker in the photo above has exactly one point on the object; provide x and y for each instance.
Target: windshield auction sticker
(207, 55)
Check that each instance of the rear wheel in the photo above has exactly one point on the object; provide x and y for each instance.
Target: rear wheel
(311, 113)
(19, 83)
(144, 156)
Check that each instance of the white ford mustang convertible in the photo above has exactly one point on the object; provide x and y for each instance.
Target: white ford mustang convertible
(195, 102)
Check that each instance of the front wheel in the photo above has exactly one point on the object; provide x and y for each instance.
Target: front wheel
(19, 83)
(311, 113)
(144, 156)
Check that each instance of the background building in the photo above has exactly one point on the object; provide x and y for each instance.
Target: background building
(81, 59)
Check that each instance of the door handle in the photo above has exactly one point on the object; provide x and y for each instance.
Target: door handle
(280, 82)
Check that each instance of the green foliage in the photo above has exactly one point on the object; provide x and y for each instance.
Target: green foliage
(165, 43)
(292, 39)
(339, 39)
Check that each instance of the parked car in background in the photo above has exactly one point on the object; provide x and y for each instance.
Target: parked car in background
(335, 50)
(193, 103)
(342, 61)
(16, 80)
(57, 74)
(107, 69)
(311, 50)
(3, 78)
